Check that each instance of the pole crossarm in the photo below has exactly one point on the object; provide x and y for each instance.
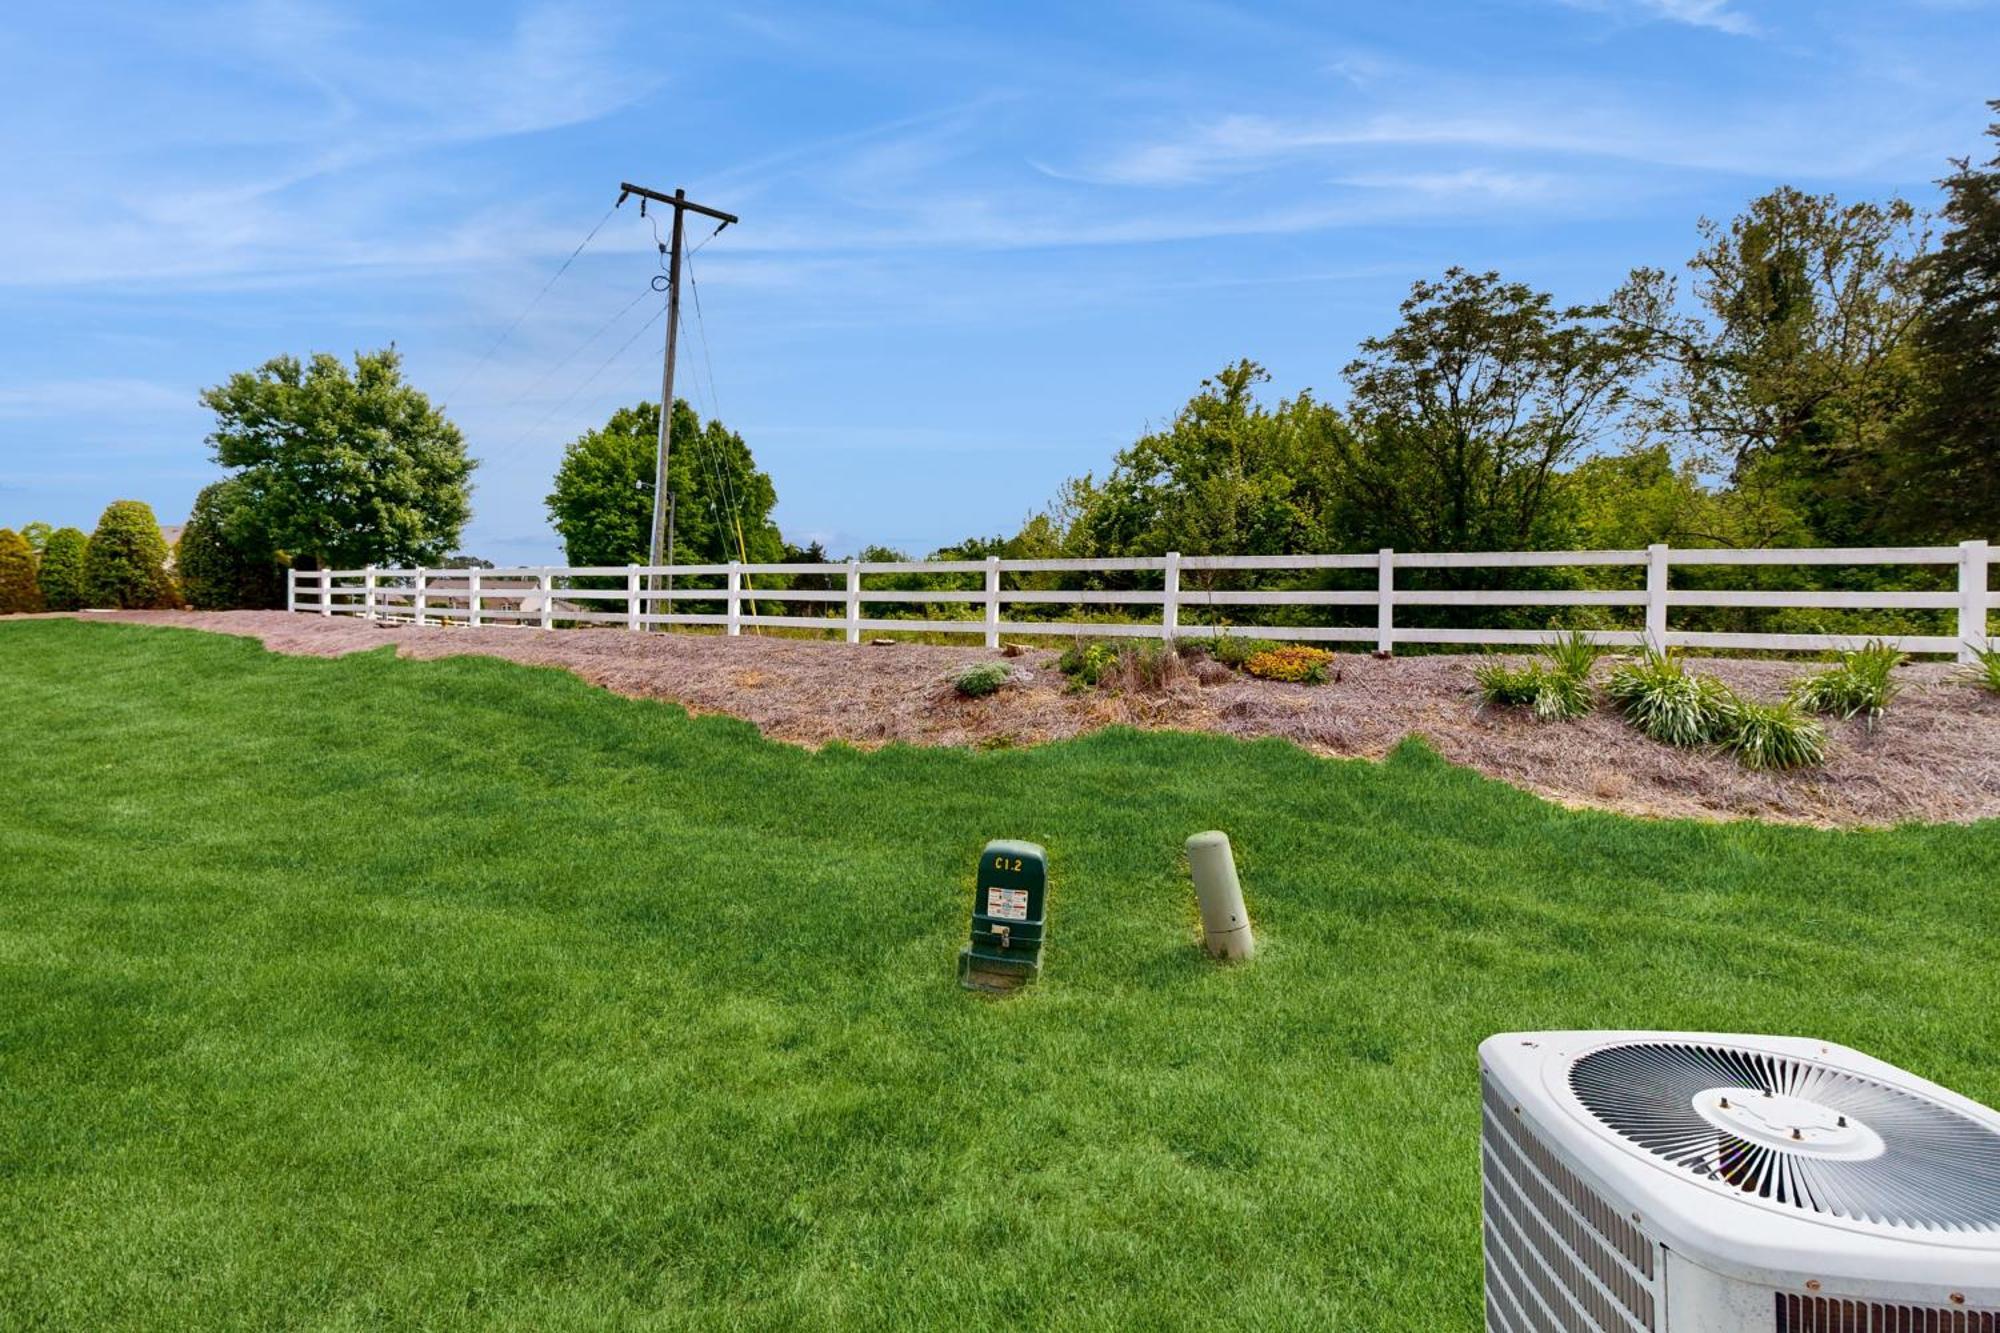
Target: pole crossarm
(676, 200)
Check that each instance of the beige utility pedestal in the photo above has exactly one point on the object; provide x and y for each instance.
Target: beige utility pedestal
(1225, 921)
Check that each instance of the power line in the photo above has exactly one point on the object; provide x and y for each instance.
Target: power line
(714, 398)
(507, 332)
(575, 352)
(603, 366)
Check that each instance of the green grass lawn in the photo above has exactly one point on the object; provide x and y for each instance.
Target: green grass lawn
(371, 993)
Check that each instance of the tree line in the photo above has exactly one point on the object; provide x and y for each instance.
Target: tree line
(1828, 373)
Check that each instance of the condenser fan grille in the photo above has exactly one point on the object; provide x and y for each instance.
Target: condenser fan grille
(1933, 1167)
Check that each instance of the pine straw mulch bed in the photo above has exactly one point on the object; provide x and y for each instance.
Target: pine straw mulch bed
(1935, 756)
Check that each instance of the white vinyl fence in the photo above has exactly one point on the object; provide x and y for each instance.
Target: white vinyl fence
(636, 596)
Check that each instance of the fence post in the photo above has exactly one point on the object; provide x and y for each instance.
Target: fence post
(291, 589)
(1972, 564)
(1385, 603)
(548, 598)
(368, 593)
(421, 587)
(325, 591)
(1170, 599)
(735, 597)
(853, 602)
(992, 601)
(1656, 597)
(632, 598)
(472, 597)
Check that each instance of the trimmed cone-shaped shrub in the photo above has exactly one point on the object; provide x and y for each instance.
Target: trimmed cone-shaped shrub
(61, 571)
(218, 569)
(125, 565)
(18, 589)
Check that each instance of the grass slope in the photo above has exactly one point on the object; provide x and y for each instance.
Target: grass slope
(357, 993)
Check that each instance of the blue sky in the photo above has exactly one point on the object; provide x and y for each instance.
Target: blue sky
(982, 246)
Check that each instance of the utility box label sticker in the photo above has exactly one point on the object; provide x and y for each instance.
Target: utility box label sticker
(1007, 904)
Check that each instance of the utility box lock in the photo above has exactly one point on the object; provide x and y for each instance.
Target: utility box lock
(1006, 949)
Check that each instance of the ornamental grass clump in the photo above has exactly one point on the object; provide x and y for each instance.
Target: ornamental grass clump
(1774, 736)
(1147, 668)
(1860, 683)
(1984, 669)
(977, 681)
(1293, 662)
(1556, 691)
(1660, 698)
(1505, 686)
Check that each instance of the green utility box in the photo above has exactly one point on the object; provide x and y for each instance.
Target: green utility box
(1006, 949)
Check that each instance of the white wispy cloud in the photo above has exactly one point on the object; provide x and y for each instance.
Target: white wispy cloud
(301, 155)
(1720, 15)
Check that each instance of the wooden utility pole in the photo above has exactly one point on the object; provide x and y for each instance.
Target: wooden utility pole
(682, 205)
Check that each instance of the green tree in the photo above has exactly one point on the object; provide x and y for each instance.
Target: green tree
(125, 564)
(61, 572)
(343, 469)
(1462, 419)
(222, 560)
(18, 589)
(1228, 476)
(602, 502)
(1794, 369)
(37, 536)
(1952, 457)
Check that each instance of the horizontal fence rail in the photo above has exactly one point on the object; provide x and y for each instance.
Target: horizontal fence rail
(638, 597)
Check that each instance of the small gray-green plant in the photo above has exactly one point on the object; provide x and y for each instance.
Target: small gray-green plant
(1659, 697)
(986, 678)
(1860, 682)
(1774, 736)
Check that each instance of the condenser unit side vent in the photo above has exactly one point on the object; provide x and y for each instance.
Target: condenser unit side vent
(1609, 1223)
(1557, 1254)
(1823, 1314)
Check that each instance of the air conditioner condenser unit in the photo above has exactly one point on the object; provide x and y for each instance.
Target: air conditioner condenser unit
(1673, 1182)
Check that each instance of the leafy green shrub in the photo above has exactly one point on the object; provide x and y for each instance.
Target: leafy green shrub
(1085, 662)
(1295, 663)
(1660, 698)
(222, 567)
(1774, 736)
(125, 564)
(1232, 651)
(1984, 669)
(1860, 683)
(61, 571)
(986, 678)
(18, 589)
